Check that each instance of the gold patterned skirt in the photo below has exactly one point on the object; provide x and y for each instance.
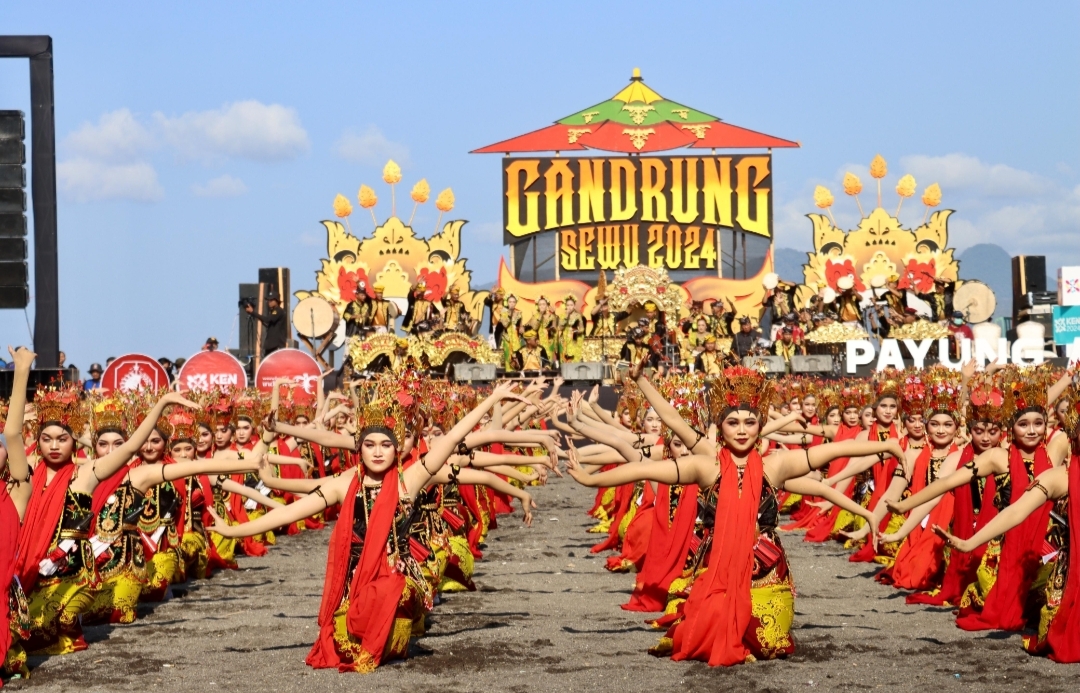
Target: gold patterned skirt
(195, 554)
(410, 612)
(117, 599)
(55, 605)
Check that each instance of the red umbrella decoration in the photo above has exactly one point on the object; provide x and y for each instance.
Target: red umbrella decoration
(637, 120)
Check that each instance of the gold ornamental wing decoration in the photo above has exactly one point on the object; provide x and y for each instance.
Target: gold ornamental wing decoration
(363, 351)
(879, 246)
(392, 254)
(640, 284)
(919, 330)
(438, 349)
(836, 333)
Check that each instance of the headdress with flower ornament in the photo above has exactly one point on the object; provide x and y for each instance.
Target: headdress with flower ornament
(392, 406)
(985, 400)
(828, 397)
(740, 388)
(913, 391)
(631, 400)
(248, 406)
(854, 394)
(685, 392)
(183, 425)
(1025, 391)
(61, 407)
(218, 411)
(942, 392)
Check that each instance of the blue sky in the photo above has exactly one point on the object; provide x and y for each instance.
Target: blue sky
(200, 141)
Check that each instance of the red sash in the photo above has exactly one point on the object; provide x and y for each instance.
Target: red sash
(719, 610)
(921, 558)
(668, 546)
(883, 472)
(1021, 555)
(1063, 637)
(375, 587)
(9, 540)
(823, 525)
(43, 513)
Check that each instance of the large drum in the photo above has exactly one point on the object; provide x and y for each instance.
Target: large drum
(314, 317)
(975, 300)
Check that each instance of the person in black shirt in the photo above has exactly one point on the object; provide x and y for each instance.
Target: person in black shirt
(743, 341)
(276, 336)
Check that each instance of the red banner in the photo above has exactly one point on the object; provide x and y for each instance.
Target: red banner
(132, 372)
(293, 364)
(210, 370)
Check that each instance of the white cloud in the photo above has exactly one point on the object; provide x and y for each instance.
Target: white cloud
(222, 186)
(84, 180)
(968, 173)
(117, 137)
(371, 148)
(1022, 211)
(245, 129)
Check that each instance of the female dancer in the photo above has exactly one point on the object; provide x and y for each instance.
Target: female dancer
(511, 329)
(743, 605)
(1059, 624)
(374, 590)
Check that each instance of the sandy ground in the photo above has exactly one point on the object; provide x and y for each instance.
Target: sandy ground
(546, 617)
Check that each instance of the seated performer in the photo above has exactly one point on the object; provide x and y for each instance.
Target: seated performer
(532, 356)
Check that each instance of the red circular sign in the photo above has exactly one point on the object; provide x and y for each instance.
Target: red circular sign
(132, 372)
(212, 370)
(297, 366)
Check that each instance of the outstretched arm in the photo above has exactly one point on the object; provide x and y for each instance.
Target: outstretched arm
(315, 435)
(695, 441)
(796, 463)
(250, 493)
(145, 477)
(17, 466)
(331, 492)
(1050, 485)
(983, 465)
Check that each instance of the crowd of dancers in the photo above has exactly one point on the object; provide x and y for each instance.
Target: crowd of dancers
(955, 482)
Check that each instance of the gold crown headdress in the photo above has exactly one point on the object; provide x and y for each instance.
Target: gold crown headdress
(912, 393)
(828, 397)
(740, 388)
(887, 384)
(630, 400)
(61, 406)
(942, 392)
(183, 425)
(392, 405)
(1025, 390)
(854, 394)
(985, 400)
(248, 406)
(217, 411)
(111, 414)
(1070, 418)
(685, 393)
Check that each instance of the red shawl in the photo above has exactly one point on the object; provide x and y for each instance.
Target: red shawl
(883, 472)
(43, 513)
(718, 611)
(823, 525)
(9, 539)
(375, 586)
(637, 536)
(476, 525)
(624, 494)
(106, 488)
(1021, 555)
(1063, 637)
(921, 558)
(668, 546)
(250, 545)
(960, 572)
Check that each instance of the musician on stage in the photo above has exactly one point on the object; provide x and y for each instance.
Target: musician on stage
(604, 323)
(455, 317)
(889, 306)
(357, 312)
(780, 299)
(532, 356)
(786, 347)
(941, 299)
(636, 350)
(709, 362)
(494, 303)
(689, 323)
(744, 341)
(420, 309)
(571, 331)
(848, 301)
(381, 313)
(721, 321)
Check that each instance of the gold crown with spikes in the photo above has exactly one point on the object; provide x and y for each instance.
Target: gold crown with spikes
(631, 400)
(942, 392)
(1025, 390)
(854, 394)
(1070, 418)
(740, 387)
(828, 397)
(985, 400)
(684, 392)
(248, 406)
(182, 424)
(887, 383)
(393, 403)
(61, 406)
(110, 413)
